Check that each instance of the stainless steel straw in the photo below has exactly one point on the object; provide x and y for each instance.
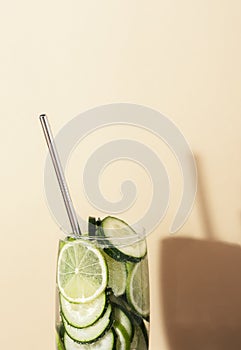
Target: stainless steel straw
(60, 174)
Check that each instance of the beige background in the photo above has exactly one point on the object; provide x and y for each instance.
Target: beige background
(179, 57)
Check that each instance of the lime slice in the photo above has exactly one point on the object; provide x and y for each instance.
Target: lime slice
(81, 272)
(121, 316)
(123, 339)
(140, 339)
(117, 275)
(137, 289)
(59, 344)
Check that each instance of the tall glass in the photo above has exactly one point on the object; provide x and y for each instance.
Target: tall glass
(102, 293)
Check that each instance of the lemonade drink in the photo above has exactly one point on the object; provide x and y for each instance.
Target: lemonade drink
(103, 290)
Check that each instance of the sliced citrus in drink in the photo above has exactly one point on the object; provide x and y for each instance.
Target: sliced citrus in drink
(140, 339)
(117, 275)
(59, 342)
(120, 315)
(82, 272)
(123, 339)
(137, 289)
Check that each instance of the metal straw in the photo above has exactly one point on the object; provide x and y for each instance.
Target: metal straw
(60, 174)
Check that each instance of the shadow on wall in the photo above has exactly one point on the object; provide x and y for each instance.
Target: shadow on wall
(201, 288)
(201, 283)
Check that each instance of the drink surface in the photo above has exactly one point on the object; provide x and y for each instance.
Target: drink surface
(103, 290)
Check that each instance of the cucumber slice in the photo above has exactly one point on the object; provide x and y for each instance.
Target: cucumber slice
(117, 231)
(105, 343)
(84, 314)
(123, 340)
(121, 316)
(91, 333)
(117, 275)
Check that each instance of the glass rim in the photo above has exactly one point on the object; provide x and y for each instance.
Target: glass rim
(106, 241)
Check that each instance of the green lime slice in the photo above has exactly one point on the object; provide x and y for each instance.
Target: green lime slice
(137, 289)
(81, 272)
(140, 339)
(121, 316)
(123, 339)
(117, 275)
(59, 344)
